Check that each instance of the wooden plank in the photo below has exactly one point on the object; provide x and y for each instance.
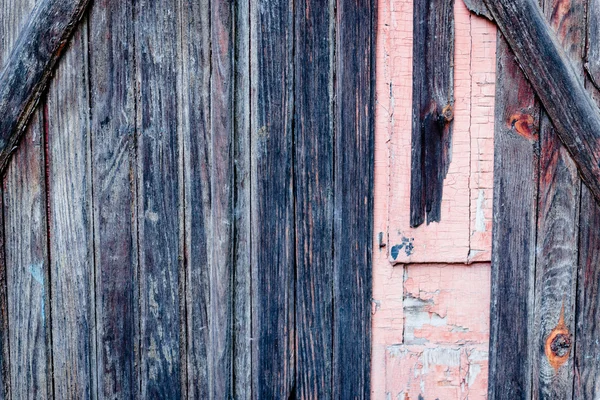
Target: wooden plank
(592, 56)
(516, 164)
(313, 180)
(25, 242)
(112, 130)
(242, 294)
(221, 268)
(69, 219)
(196, 138)
(158, 199)
(433, 107)
(26, 73)
(273, 258)
(557, 229)
(556, 82)
(353, 194)
(478, 7)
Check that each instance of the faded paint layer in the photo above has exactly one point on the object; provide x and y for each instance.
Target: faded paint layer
(431, 285)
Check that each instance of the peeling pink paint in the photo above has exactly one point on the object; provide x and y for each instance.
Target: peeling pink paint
(431, 304)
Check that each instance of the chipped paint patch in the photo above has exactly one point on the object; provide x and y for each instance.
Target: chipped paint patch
(480, 216)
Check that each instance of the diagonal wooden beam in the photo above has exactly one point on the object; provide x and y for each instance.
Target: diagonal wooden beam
(552, 75)
(29, 67)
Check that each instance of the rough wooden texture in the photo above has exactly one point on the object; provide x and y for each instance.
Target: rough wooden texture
(158, 199)
(557, 229)
(478, 7)
(555, 80)
(353, 197)
(69, 219)
(313, 181)
(514, 239)
(26, 73)
(592, 56)
(433, 107)
(25, 241)
(196, 140)
(112, 131)
(273, 251)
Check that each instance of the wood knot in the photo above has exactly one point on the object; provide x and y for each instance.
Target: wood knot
(448, 113)
(524, 124)
(558, 343)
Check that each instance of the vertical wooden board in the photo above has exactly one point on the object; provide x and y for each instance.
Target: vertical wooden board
(592, 56)
(26, 252)
(242, 312)
(516, 163)
(557, 230)
(158, 198)
(313, 182)
(353, 197)
(273, 235)
(5, 389)
(196, 138)
(69, 219)
(112, 130)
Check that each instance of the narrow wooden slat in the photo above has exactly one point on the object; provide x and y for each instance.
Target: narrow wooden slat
(158, 198)
(313, 181)
(557, 229)
(353, 197)
(516, 164)
(242, 312)
(69, 197)
(26, 244)
(196, 137)
(273, 356)
(592, 56)
(112, 137)
(433, 107)
(26, 73)
(556, 82)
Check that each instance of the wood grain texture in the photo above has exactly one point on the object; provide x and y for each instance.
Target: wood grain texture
(353, 194)
(433, 107)
(112, 131)
(556, 82)
(516, 166)
(557, 229)
(242, 306)
(25, 242)
(196, 149)
(479, 8)
(70, 226)
(273, 236)
(27, 71)
(592, 56)
(313, 182)
(158, 199)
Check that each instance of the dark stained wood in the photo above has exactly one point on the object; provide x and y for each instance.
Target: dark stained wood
(353, 197)
(70, 229)
(313, 182)
(242, 307)
(516, 165)
(555, 80)
(273, 236)
(196, 149)
(433, 107)
(26, 73)
(158, 198)
(112, 130)
(5, 386)
(478, 7)
(557, 229)
(25, 242)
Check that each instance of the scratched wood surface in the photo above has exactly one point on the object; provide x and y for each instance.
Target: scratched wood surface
(191, 217)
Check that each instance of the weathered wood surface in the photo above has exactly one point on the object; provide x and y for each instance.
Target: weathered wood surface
(182, 196)
(557, 228)
(313, 132)
(353, 201)
(26, 73)
(273, 238)
(556, 82)
(25, 244)
(112, 136)
(592, 56)
(516, 167)
(433, 107)
(69, 217)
